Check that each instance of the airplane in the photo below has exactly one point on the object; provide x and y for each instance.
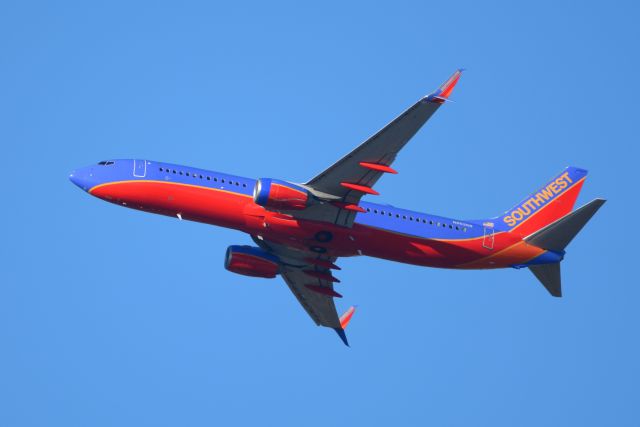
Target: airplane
(300, 230)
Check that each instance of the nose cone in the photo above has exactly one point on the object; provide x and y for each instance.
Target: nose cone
(80, 177)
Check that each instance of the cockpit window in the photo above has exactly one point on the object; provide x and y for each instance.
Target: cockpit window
(105, 163)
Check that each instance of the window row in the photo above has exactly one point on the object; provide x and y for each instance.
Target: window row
(416, 219)
(208, 178)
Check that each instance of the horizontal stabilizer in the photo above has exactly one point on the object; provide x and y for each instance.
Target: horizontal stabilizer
(549, 276)
(557, 235)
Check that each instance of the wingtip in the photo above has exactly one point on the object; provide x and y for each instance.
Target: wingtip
(342, 336)
(442, 94)
(346, 317)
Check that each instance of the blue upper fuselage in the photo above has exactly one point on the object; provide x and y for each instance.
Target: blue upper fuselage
(385, 217)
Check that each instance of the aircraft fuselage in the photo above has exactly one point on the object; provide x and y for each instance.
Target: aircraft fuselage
(383, 231)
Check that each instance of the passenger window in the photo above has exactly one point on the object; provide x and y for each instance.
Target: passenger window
(208, 178)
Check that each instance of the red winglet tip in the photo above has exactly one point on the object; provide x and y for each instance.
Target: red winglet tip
(346, 317)
(447, 87)
(442, 94)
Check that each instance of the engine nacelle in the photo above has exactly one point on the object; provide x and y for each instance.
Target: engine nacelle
(251, 261)
(276, 194)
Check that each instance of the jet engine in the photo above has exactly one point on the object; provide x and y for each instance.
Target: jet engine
(251, 261)
(276, 194)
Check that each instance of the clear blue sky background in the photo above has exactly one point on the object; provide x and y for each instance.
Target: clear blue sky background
(114, 317)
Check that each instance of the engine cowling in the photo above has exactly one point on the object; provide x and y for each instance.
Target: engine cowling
(276, 194)
(251, 261)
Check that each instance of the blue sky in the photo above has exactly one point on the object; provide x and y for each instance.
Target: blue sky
(114, 317)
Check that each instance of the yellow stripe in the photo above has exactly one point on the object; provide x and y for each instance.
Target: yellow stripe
(493, 255)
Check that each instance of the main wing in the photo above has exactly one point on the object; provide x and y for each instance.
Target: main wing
(309, 277)
(355, 174)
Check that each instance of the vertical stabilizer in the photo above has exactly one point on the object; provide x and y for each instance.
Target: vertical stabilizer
(552, 201)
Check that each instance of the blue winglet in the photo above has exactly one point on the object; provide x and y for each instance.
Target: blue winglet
(342, 336)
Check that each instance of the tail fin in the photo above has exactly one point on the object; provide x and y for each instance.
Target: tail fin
(555, 237)
(546, 205)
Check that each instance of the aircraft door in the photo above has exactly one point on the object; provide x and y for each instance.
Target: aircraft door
(487, 242)
(139, 168)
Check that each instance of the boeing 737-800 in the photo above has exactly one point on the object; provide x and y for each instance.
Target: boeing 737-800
(301, 229)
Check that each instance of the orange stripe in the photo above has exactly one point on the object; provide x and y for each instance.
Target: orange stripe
(165, 182)
(521, 252)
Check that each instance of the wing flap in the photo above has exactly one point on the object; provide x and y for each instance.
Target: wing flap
(321, 308)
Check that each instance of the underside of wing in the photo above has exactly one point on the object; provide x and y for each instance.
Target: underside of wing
(315, 295)
(309, 277)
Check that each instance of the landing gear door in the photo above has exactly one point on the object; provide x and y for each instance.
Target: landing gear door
(487, 242)
(139, 168)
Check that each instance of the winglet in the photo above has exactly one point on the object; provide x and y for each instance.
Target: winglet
(442, 94)
(344, 321)
(346, 317)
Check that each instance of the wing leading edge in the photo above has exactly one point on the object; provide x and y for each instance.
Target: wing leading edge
(356, 173)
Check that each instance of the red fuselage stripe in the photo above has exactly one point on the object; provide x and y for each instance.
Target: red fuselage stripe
(238, 211)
